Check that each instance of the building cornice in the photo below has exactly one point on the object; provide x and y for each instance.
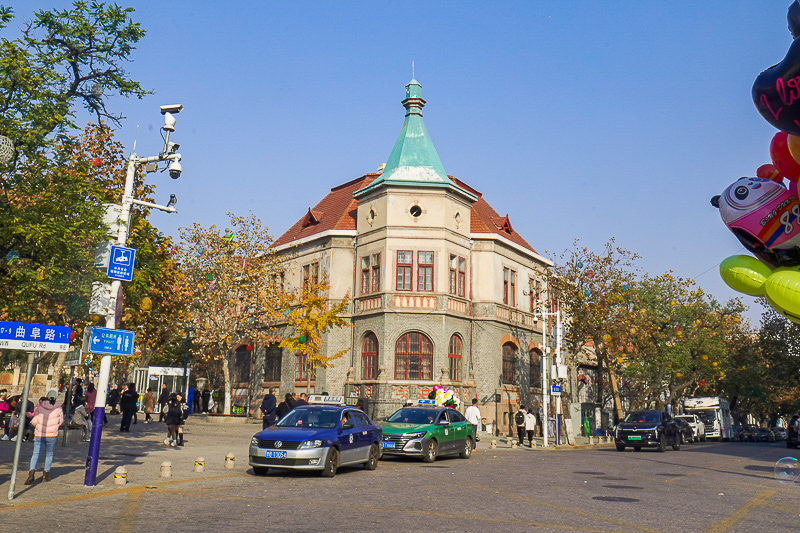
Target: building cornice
(316, 237)
(510, 244)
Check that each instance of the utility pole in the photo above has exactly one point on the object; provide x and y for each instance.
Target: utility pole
(170, 154)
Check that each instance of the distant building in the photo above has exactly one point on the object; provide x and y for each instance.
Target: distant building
(444, 290)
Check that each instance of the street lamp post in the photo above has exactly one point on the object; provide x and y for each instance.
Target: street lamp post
(169, 154)
(545, 381)
(187, 345)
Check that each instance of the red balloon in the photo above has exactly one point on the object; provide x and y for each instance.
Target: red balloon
(96, 162)
(782, 158)
(769, 172)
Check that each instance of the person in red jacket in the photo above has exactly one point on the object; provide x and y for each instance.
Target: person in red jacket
(47, 420)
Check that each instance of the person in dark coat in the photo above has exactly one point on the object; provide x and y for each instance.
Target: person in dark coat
(268, 409)
(172, 416)
(206, 399)
(163, 398)
(113, 400)
(77, 394)
(128, 405)
(285, 406)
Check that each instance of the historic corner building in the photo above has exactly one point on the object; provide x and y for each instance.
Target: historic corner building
(444, 290)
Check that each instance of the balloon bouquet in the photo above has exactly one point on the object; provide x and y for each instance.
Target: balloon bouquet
(763, 212)
(444, 397)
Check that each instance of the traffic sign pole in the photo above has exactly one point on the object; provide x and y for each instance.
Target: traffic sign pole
(23, 421)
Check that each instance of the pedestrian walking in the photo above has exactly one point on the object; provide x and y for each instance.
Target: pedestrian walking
(77, 392)
(268, 409)
(163, 398)
(473, 416)
(206, 400)
(303, 400)
(91, 398)
(519, 420)
(530, 425)
(46, 422)
(184, 415)
(172, 417)
(149, 404)
(127, 403)
(81, 418)
(197, 401)
(285, 406)
(113, 399)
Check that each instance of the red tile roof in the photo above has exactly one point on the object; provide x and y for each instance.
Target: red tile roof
(337, 211)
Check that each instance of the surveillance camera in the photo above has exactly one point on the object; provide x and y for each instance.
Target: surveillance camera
(175, 170)
(174, 109)
(172, 200)
(169, 122)
(173, 147)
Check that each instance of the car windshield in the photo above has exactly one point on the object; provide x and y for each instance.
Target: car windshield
(684, 417)
(310, 418)
(413, 416)
(643, 417)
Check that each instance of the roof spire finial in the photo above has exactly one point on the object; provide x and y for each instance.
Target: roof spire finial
(412, 70)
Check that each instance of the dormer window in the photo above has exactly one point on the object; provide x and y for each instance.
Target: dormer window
(504, 224)
(312, 218)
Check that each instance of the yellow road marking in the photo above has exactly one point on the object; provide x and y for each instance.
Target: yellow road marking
(130, 511)
(732, 520)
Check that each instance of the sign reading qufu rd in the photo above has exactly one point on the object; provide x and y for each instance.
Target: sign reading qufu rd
(34, 337)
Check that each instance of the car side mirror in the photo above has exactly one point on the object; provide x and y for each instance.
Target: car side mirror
(444, 422)
(348, 425)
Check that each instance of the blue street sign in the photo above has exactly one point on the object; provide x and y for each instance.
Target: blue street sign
(120, 263)
(34, 337)
(556, 389)
(111, 341)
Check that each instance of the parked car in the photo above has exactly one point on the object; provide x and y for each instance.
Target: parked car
(738, 432)
(764, 435)
(427, 431)
(640, 429)
(781, 432)
(698, 428)
(793, 432)
(686, 431)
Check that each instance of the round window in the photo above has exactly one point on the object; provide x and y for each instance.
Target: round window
(415, 211)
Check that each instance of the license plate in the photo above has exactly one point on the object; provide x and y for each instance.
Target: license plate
(275, 455)
(388, 444)
(634, 437)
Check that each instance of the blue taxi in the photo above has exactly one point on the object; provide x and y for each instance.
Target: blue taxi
(324, 436)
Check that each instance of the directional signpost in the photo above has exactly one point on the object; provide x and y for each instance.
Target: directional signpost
(111, 341)
(120, 263)
(34, 337)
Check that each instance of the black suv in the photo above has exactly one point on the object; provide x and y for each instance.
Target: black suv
(654, 429)
(793, 432)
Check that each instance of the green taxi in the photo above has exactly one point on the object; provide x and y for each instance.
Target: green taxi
(427, 430)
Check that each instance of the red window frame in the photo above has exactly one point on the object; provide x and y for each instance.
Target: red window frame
(301, 373)
(376, 272)
(509, 363)
(462, 276)
(365, 285)
(413, 357)
(310, 276)
(369, 357)
(535, 369)
(453, 274)
(454, 357)
(405, 270)
(513, 288)
(505, 286)
(425, 262)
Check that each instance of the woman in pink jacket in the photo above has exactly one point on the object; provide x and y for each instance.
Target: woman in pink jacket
(47, 420)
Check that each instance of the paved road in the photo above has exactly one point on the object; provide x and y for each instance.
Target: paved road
(714, 487)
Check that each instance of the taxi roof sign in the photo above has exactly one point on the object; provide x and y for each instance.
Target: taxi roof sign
(325, 400)
(426, 402)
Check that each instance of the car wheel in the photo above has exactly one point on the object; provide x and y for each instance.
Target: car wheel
(429, 454)
(374, 455)
(678, 441)
(260, 470)
(637, 448)
(332, 464)
(620, 447)
(662, 443)
(466, 451)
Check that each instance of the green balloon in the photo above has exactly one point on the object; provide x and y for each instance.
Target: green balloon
(745, 274)
(302, 339)
(209, 277)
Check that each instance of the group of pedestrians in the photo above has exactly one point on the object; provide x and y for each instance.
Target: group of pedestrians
(272, 411)
(525, 421)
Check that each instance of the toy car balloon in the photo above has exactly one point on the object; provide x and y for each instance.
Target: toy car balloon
(780, 286)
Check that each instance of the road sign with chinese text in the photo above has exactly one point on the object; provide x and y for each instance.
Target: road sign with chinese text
(120, 263)
(111, 341)
(34, 337)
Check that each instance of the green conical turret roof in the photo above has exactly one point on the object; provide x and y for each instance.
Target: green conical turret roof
(414, 160)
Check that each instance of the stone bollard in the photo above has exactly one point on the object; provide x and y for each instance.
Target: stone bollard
(230, 460)
(591, 439)
(120, 475)
(493, 445)
(513, 443)
(200, 464)
(166, 469)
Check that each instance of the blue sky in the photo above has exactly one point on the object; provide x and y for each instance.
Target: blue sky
(585, 120)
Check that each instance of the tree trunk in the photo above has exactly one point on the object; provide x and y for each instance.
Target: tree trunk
(615, 394)
(226, 369)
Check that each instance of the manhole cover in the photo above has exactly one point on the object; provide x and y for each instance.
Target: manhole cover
(622, 487)
(615, 499)
(591, 473)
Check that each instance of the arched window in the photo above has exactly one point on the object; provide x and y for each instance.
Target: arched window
(509, 363)
(536, 368)
(413, 357)
(369, 357)
(454, 357)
